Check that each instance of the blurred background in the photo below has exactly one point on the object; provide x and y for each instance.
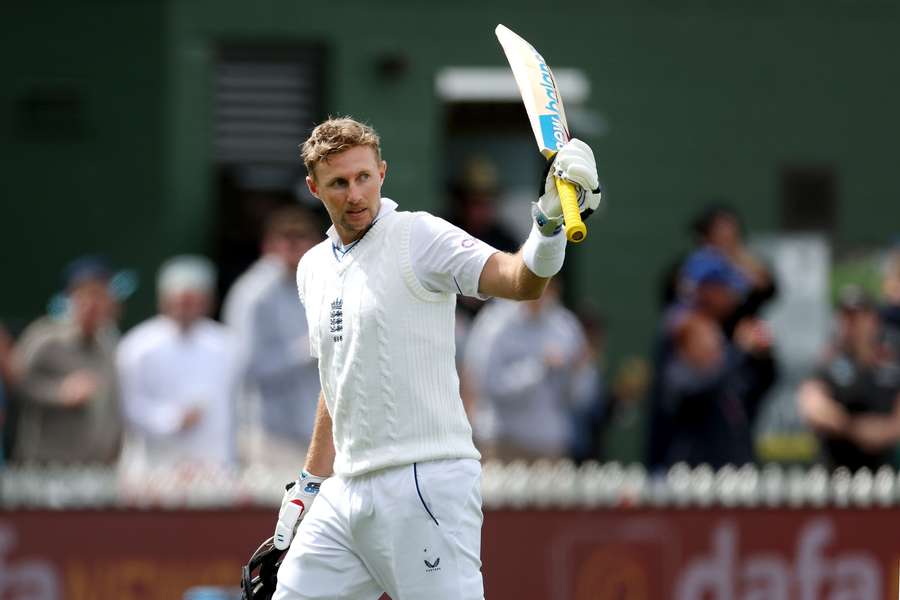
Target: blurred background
(703, 406)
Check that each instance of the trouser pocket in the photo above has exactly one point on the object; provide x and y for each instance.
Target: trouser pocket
(446, 489)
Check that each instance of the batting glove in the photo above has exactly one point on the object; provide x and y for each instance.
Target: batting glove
(575, 163)
(298, 499)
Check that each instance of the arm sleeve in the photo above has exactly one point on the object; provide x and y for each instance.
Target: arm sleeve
(237, 314)
(445, 258)
(40, 381)
(301, 293)
(301, 281)
(756, 375)
(42, 388)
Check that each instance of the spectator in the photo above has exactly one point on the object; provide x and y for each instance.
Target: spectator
(529, 368)
(711, 391)
(180, 371)
(282, 382)
(65, 374)
(710, 287)
(718, 228)
(853, 401)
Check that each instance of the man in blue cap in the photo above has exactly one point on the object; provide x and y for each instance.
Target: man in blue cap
(66, 375)
(711, 284)
(708, 385)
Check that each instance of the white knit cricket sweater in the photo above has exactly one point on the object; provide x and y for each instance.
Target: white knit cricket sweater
(386, 353)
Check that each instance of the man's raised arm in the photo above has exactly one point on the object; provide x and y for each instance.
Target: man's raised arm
(524, 275)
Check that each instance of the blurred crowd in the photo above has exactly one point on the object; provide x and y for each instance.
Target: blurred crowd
(179, 389)
(188, 391)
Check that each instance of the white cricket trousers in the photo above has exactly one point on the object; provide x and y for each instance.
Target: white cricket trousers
(412, 531)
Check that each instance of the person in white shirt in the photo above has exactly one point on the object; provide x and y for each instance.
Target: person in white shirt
(392, 455)
(281, 387)
(179, 373)
(531, 373)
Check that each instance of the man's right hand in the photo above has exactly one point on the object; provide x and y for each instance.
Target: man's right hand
(298, 499)
(821, 411)
(191, 417)
(753, 336)
(77, 388)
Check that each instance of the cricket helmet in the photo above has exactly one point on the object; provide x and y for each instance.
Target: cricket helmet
(258, 576)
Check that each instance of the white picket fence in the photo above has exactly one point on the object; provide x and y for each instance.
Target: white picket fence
(516, 485)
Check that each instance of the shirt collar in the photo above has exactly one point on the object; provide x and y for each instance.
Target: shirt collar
(387, 206)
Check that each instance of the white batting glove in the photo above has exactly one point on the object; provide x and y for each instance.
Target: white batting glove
(575, 163)
(298, 499)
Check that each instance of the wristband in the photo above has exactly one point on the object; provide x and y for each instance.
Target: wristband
(307, 476)
(543, 254)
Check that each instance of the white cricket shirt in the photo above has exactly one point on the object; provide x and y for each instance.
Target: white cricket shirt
(381, 317)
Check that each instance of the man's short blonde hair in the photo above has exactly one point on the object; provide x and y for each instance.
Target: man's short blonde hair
(336, 135)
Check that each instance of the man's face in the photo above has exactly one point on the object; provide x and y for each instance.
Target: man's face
(186, 306)
(725, 232)
(717, 299)
(291, 246)
(480, 211)
(92, 305)
(863, 326)
(349, 185)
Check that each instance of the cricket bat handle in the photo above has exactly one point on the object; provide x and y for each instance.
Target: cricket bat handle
(575, 228)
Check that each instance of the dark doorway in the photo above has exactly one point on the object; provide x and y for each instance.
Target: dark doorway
(266, 101)
(809, 198)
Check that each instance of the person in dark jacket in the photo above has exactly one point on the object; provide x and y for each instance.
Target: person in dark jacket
(853, 401)
(711, 290)
(711, 391)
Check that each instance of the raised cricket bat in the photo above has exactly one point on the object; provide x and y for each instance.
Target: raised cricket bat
(545, 111)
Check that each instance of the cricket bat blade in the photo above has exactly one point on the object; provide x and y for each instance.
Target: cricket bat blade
(543, 103)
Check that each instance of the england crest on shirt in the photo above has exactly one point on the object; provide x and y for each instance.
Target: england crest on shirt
(337, 319)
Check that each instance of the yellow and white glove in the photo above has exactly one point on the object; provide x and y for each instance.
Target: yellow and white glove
(575, 163)
(298, 498)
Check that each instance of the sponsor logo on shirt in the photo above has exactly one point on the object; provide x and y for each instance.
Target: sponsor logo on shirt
(433, 564)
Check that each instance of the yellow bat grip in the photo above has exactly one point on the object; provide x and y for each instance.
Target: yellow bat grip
(575, 228)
